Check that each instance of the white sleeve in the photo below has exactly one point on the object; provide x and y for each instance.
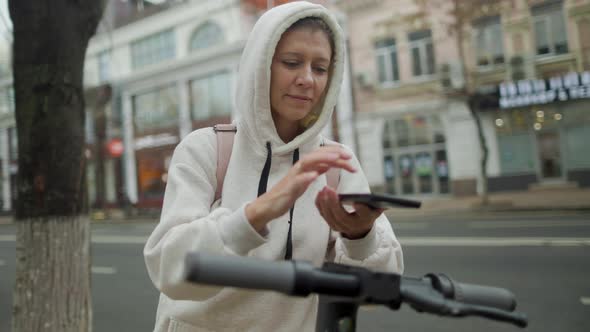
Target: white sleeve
(187, 222)
(379, 250)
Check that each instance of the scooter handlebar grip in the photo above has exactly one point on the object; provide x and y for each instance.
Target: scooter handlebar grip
(499, 298)
(240, 272)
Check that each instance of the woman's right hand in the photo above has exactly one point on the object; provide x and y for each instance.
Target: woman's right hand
(277, 201)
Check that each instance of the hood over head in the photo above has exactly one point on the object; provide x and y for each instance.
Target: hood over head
(253, 90)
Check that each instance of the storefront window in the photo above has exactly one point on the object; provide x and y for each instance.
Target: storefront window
(6, 101)
(211, 96)
(442, 171)
(577, 147)
(516, 153)
(577, 135)
(152, 173)
(389, 170)
(420, 130)
(156, 109)
(415, 159)
(414, 130)
(402, 132)
(424, 168)
(515, 141)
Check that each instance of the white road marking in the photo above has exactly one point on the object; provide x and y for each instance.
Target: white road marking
(585, 300)
(119, 239)
(101, 239)
(528, 224)
(410, 225)
(94, 269)
(457, 241)
(7, 238)
(492, 241)
(103, 270)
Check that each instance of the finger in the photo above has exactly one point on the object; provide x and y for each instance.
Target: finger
(320, 200)
(322, 163)
(366, 211)
(302, 181)
(336, 212)
(335, 149)
(328, 152)
(323, 207)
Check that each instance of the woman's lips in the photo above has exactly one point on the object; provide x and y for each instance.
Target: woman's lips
(299, 98)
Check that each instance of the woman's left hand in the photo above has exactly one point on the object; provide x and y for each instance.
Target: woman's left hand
(352, 225)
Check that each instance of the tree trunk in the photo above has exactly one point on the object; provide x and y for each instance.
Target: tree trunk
(52, 290)
(461, 15)
(484, 155)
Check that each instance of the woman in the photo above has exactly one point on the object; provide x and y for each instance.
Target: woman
(290, 75)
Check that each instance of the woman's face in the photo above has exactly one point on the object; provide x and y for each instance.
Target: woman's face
(299, 75)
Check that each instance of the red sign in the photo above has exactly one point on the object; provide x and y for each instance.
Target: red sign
(115, 147)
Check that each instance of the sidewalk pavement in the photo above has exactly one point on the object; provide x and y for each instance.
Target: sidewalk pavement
(555, 201)
(540, 200)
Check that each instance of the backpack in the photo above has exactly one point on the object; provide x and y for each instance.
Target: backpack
(225, 140)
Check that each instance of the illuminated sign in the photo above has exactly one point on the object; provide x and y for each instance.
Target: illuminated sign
(571, 86)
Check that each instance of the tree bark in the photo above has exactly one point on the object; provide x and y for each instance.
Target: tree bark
(52, 290)
(483, 172)
(462, 15)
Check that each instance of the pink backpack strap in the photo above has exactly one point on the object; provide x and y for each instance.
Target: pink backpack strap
(225, 141)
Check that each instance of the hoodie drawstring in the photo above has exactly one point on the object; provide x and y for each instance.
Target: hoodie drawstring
(289, 245)
(265, 171)
(262, 189)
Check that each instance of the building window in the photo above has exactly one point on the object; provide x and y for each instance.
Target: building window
(211, 96)
(550, 31)
(422, 53)
(104, 67)
(415, 158)
(7, 101)
(387, 66)
(489, 46)
(153, 49)
(157, 109)
(205, 36)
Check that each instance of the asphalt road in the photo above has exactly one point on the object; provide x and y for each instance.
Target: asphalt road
(544, 259)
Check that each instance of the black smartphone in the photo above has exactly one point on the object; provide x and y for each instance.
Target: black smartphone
(379, 201)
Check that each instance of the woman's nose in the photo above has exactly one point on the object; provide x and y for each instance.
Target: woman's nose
(304, 77)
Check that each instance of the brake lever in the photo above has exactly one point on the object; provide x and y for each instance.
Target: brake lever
(426, 299)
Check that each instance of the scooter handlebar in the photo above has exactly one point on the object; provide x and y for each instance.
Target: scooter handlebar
(488, 296)
(435, 293)
(288, 277)
(240, 272)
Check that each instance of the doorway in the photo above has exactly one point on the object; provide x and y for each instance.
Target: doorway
(549, 154)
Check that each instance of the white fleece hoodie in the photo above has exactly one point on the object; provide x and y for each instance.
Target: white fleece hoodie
(191, 221)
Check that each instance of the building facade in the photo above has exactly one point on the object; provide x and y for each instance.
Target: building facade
(418, 65)
(154, 72)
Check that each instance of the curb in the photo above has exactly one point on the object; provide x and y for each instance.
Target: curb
(488, 213)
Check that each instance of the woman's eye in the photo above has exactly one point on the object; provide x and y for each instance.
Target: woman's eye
(321, 70)
(290, 64)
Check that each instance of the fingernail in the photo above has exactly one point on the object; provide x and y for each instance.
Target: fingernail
(332, 155)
